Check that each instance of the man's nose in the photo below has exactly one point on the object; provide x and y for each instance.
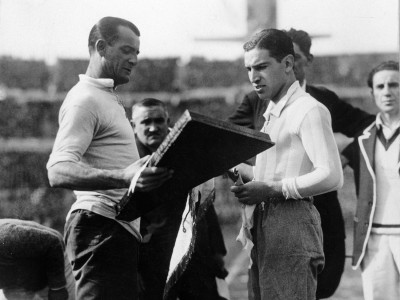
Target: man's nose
(133, 60)
(254, 76)
(153, 127)
(386, 89)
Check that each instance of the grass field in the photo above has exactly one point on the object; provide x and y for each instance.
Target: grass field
(350, 285)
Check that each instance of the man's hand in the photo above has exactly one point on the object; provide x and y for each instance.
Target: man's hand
(150, 178)
(255, 192)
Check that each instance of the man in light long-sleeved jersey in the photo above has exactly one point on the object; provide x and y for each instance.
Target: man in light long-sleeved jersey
(304, 162)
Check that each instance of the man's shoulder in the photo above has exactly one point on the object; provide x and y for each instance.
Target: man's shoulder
(320, 93)
(81, 95)
(305, 102)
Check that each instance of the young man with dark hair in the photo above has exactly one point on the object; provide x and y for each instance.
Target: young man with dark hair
(374, 157)
(347, 120)
(287, 236)
(95, 155)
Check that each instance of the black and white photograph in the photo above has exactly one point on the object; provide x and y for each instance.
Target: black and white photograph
(199, 150)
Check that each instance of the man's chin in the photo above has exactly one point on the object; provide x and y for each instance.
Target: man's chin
(154, 142)
(123, 80)
(262, 95)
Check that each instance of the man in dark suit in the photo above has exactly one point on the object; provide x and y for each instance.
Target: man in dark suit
(347, 120)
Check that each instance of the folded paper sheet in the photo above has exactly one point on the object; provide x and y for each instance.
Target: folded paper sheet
(247, 222)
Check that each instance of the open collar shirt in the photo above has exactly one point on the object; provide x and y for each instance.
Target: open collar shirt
(305, 156)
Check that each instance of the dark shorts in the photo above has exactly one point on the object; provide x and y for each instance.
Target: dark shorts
(287, 253)
(103, 255)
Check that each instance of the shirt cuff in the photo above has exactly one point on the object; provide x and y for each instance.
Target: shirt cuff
(289, 189)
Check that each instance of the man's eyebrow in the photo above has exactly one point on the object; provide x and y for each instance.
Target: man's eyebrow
(261, 64)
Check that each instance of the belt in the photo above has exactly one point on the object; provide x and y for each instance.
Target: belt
(276, 200)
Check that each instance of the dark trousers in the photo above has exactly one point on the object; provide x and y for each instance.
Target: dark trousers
(329, 278)
(103, 255)
(332, 223)
(154, 260)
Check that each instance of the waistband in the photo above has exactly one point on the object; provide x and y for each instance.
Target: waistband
(276, 200)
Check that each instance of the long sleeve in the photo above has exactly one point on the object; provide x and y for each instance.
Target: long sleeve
(318, 141)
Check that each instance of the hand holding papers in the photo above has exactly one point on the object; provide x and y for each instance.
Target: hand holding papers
(247, 220)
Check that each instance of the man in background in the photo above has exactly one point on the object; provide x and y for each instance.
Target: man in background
(374, 157)
(95, 155)
(347, 120)
(33, 263)
(159, 228)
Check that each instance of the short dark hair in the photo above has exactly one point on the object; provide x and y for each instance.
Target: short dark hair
(387, 65)
(277, 42)
(302, 39)
(150, 102)
(107, 29)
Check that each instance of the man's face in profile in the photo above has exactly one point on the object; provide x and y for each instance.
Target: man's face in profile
(150, 125)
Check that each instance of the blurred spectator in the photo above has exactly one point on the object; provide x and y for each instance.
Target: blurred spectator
(33, 263)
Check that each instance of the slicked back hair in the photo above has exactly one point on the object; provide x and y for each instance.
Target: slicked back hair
(107, 29)
(387, 65)
(150, 102)
(277, 42)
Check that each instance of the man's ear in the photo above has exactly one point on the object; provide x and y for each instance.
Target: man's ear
(289, 62)
(310, 58)
(101, 47)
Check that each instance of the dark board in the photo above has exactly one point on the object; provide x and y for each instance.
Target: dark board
(198, 148)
